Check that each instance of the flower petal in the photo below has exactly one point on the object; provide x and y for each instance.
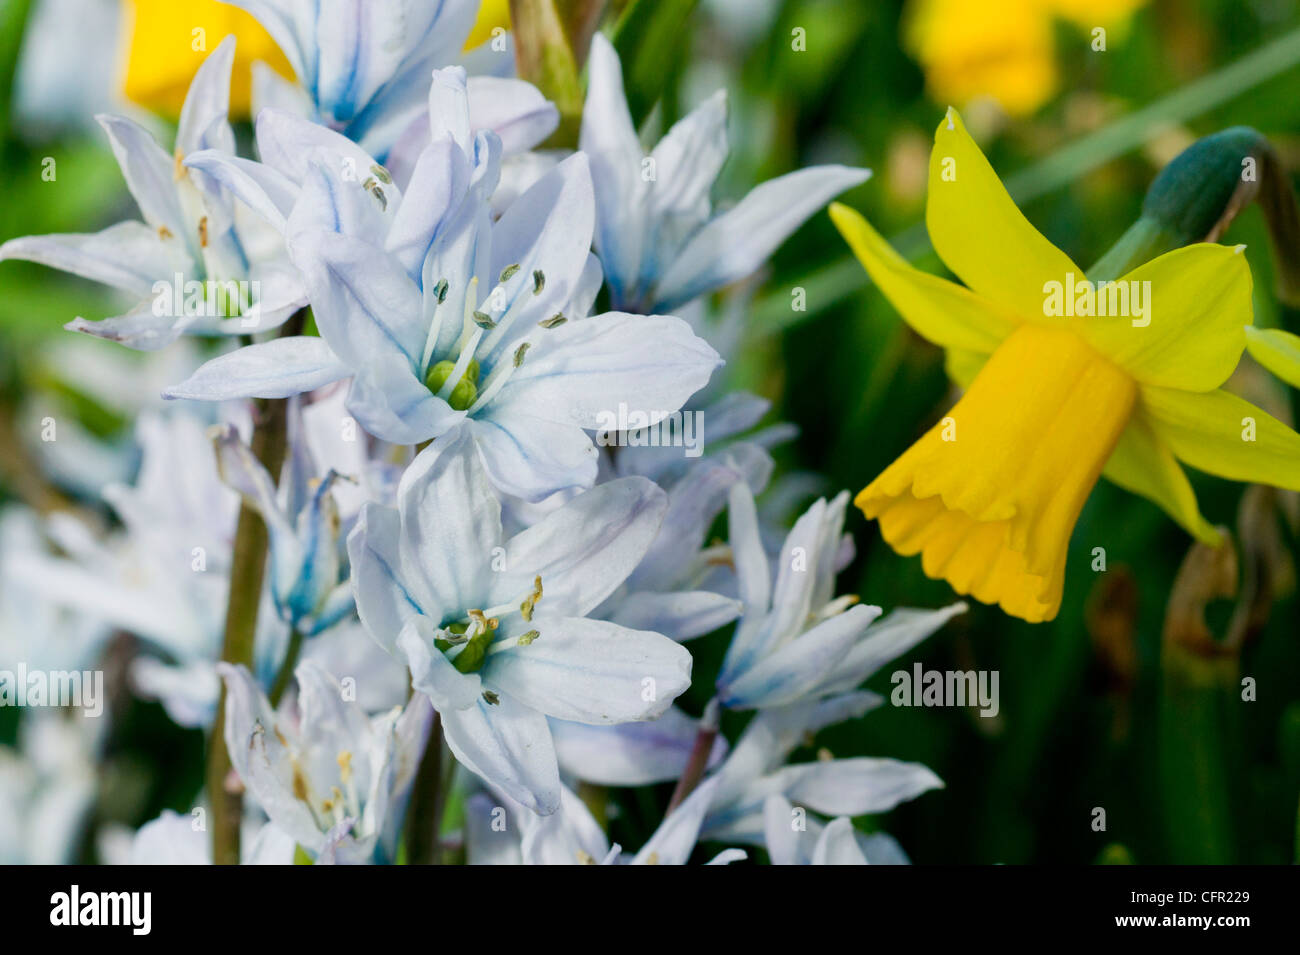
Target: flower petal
(610, 140)
(631, 754)
(676, 836)
(582, 372)
(585, 549)
(1275, 349)
(532, 458)
(797, 668)
(733, 245)
(591, 671)
(383, 602)
(1197, 310)
(680, 615)
(274, 369)
(432, 673)
(838, 845)
(1143, 464)
(513, 109)
(978, 231)
(1219, 433)
(149, 173)
(130, 255)
(854, 787)
(938, 310)
(510, 746)
(203, 123)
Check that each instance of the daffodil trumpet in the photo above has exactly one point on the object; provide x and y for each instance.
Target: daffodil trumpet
(989, 496)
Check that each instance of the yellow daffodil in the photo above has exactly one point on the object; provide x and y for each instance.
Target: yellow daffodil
(1065, 381)
(999, 48)
(491, 14)
(169, 39)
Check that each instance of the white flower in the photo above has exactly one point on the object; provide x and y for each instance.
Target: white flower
(195, 244)
(656, 234)
(495, 630)
(795, 640)
(335, 779)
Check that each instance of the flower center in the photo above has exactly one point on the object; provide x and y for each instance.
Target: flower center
(468, 641)
(483, 327)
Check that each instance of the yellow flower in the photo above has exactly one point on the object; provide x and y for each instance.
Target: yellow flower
(491, 14)
(1065, 382)
(169, 39)
(999, 48)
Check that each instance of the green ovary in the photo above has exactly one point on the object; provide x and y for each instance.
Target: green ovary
(466, 390)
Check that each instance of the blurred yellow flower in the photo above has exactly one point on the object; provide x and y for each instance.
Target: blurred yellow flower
(492, 14)
(169, 39)
(998, 48)
(1066, 381)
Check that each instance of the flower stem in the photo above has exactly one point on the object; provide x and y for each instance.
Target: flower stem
(247, 570)
(698, 762)
(428, 795)
(285, 673)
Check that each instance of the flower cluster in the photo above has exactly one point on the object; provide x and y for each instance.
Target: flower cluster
(423, 328)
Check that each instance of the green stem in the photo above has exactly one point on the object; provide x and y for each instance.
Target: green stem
(428, 796)
(1143, 241)
(285, 673)
(247, 570)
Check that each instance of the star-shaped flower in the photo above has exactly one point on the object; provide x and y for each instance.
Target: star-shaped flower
(495, 630)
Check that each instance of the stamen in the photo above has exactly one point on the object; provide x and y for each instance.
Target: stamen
(382, 174)
(491, 697)
(435, 324)
(554, 321)
(498, 378)
(526, 639)
(526, 608)
(539, 281)
(508, 273)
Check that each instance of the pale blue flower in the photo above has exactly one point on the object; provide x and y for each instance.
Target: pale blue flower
(656, 234)
(794, 838)
(199, 263)
(795, 640)
(445, 318)
(572, 836)
(631, 754)
(308, 573)
(495, 629)
(165, 576)
(335, 779)
(363, 67)
(176, 839)
(47, 787)
(756, 769)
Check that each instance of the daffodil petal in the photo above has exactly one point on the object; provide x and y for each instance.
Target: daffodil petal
(962, 366)
(1197, 305)
(940, 311)
(1276, 350)
(1219, 433)
(978, 231)
(1143, 465)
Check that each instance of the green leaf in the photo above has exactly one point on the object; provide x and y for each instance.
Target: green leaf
(648, 37)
